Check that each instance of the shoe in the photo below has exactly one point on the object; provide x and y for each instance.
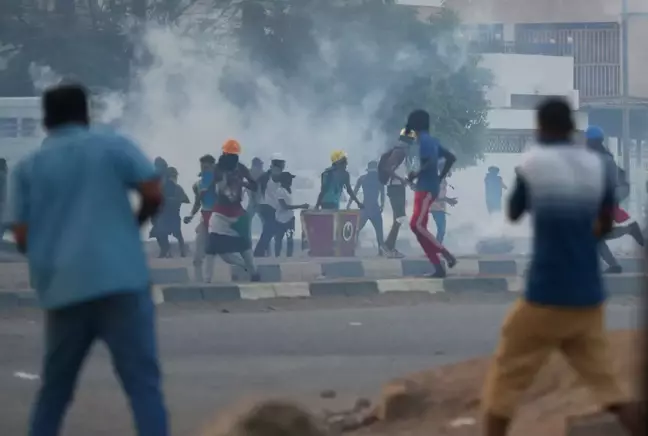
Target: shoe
(452, 261)
(256, 277)
(395, 254)
(439, 272)
(613, 269)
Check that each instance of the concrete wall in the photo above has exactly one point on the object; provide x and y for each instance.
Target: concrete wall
(529, 74)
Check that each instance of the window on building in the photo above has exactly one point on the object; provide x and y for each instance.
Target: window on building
(9, 127)
(28, 127)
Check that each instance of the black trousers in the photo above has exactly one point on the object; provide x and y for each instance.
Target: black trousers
(269, 231)
(286, 230)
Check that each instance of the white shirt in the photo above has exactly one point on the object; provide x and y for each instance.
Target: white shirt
(270, 196)
(284, 215)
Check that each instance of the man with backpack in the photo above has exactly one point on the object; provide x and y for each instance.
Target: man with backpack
(595, 141)
(393, 167)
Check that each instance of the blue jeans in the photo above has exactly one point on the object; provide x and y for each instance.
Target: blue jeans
(125, 322)
(440, 221)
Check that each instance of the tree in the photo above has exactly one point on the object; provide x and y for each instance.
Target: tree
(338, 53)
(380, 48)
(89, 40)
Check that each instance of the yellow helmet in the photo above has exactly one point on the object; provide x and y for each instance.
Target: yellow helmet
(405, 134)
(337, 156)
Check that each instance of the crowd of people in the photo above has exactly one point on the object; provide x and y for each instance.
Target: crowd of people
(96, 285)
(224, 223)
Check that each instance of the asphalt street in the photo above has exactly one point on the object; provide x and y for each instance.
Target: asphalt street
(214, 356)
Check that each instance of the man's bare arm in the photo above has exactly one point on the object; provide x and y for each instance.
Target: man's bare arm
(196, 205)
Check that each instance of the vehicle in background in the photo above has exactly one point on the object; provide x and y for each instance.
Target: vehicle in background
(20, 127)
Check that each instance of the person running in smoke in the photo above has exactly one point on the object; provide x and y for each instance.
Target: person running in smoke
(268, 184)
(204, 201)
(595, 139)
(428, 184)
(569, 192)
(169, 222)
(494, 186)
(438, 208)
(164, 223)
(393, 167)
(373, 193)
(285, 215)
(229, 225)
(334, 180)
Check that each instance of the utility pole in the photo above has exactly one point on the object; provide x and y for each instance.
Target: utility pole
(625, 129)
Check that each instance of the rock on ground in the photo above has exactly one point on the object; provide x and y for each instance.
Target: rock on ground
(446, 401)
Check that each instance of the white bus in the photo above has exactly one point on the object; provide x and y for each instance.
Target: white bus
(20, 127)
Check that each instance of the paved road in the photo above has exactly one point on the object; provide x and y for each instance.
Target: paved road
(214, 355)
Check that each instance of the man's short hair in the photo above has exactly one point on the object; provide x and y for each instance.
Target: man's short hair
(555, 115)
(208, 159)
(418, 120)
(65, 104)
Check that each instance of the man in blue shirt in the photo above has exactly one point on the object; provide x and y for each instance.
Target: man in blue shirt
(427, 186)
(569, 191)
(93, 285)
(373, 193)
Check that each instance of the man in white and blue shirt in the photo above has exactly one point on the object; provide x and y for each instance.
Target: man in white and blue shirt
(93, 285)
(569, 192)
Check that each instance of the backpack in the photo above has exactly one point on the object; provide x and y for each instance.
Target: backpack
(384, 172)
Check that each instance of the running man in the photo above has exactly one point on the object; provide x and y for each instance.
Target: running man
(494, 188)
(334, 180)
(373, 196)
(229, 225)
(393, 168)
(204, 201)
(569, 191)
(428, 184)
(93, 285)
(596, 142)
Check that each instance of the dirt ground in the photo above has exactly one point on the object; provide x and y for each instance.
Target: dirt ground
(445, 401)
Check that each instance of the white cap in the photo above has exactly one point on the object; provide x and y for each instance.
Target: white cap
(277, 156)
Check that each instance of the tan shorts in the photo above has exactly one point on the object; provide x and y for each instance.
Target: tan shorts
(530, 334)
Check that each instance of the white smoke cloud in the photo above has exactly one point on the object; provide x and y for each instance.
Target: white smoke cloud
(43, 76)
(176, 109)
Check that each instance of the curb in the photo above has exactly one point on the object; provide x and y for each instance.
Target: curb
(369, 269)
(627, 284)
